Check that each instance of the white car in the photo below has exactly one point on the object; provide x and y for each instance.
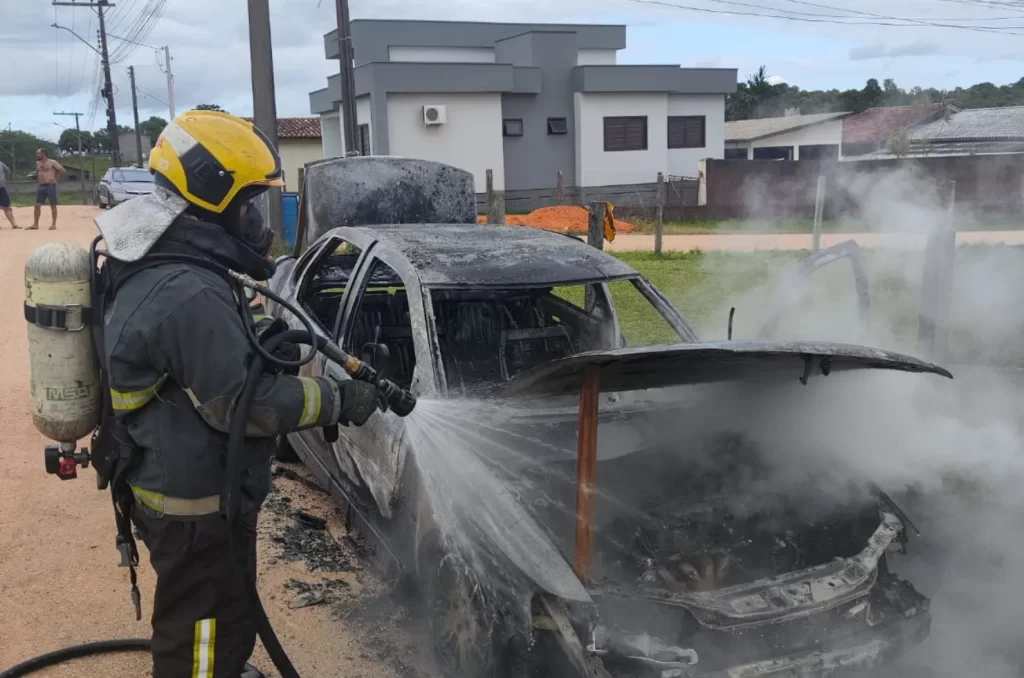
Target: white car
(123, 183)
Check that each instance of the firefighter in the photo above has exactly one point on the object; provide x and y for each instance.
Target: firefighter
(176, 355)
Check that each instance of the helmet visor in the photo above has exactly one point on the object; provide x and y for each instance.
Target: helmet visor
(253, 230)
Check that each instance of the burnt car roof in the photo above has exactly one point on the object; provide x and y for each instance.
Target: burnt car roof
(468, 255)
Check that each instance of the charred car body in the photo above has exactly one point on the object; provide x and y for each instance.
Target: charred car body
(685, 576)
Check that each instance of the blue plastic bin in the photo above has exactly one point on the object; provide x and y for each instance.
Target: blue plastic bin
(290, 207)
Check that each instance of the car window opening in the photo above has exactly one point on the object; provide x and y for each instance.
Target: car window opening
(488, 337)
(326, 288)
(382, 317)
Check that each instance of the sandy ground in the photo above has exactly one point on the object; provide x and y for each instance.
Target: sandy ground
(59, 580)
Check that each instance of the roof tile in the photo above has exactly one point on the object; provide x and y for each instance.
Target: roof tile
(877, 124)
(1006, 123)
(297, 128)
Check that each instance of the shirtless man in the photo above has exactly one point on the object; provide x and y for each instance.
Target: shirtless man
(48, 173)
(5, 199)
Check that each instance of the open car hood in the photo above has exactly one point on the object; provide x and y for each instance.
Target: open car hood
(630, 369)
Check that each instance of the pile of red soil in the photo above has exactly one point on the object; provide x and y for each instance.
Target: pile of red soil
(563, 219)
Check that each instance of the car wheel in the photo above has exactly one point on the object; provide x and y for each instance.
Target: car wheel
(285, 451)
(461, 627)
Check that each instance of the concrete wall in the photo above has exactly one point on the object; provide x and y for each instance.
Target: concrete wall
(471, 55)
(596, 57)
(471, 139)
(330, 135)
(295, 153)
(534, 159)
(684, 162)
(598, 168)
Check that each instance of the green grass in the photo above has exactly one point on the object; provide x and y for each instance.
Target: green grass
(64, 198)
(987, 319)
(647, 227)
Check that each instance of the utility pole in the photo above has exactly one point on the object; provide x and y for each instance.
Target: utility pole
(350, 124)
(108, 88)
(81, 170)
(135, 113)
(264, 107)
(170, 81)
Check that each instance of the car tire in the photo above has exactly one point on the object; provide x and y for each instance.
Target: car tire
(459, 619)
(285, 451)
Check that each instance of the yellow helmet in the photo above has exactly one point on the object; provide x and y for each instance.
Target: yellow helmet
(211, 159)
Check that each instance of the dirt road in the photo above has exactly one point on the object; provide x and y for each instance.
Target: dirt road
(59, 580)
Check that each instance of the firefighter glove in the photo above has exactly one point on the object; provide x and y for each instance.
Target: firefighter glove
(359, 400)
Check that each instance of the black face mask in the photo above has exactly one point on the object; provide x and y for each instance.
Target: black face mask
(253, 230)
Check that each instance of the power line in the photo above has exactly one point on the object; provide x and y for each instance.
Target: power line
(925, 22)
(147, 93)
(807, 19)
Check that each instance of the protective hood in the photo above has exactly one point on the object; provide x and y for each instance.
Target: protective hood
(158, 223)
(132, 228)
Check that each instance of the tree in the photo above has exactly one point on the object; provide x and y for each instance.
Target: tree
(69, 141)
(757, 98)
(871, 96)
(101, 140)
(210, 107)
(18, 150)
(151, 128)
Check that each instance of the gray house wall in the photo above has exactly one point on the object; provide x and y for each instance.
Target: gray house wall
(532, 160)
(371, 38)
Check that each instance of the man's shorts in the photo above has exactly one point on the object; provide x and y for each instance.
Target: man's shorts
(46, 193)
(5, 200)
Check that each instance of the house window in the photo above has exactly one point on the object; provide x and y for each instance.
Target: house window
(625, 133)
(686, 131)
(363, 143)
(512, 127)
(557, 126)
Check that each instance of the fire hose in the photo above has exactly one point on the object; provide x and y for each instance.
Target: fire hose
(399, 400)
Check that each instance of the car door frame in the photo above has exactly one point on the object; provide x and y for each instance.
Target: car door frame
(312, 440)
(105, 185)
(384, 432)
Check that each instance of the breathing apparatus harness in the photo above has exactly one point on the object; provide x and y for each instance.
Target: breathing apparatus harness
(113, 453)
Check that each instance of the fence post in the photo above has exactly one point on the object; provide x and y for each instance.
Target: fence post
(559, 189)
(819, 213)
(595, 238)
(302, 179)
(595, 225)
(659, 214)
(499, 207)
(492, 213)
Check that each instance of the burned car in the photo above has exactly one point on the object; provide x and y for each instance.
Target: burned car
(549, 495)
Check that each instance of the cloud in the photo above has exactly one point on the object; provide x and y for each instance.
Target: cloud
(879, 51)
(46, 69)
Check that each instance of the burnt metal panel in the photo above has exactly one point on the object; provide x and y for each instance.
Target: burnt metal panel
(661, 366)
(386, 190)
(475, 256)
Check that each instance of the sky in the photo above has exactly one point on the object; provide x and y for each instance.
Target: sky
(45, 70)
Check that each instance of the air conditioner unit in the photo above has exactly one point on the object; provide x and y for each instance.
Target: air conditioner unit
(434, 115)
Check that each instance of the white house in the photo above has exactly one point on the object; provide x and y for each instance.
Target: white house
(525, 101)
(791, 137)
(298, 142)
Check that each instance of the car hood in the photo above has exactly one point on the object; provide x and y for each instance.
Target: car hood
(631, 369)
(509, 524)
(132, 186)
